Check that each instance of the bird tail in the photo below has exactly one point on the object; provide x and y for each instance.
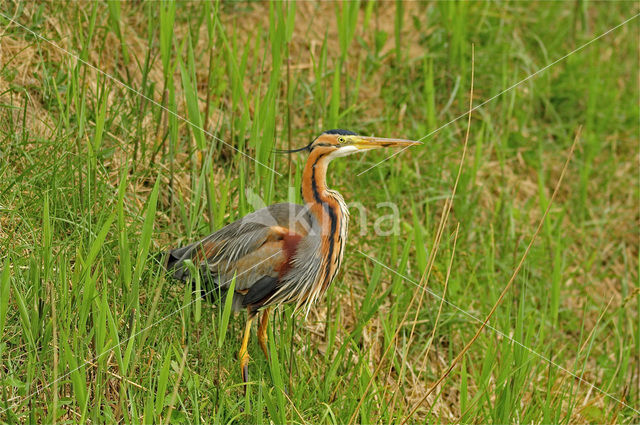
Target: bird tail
(177, 266)
(175, 262)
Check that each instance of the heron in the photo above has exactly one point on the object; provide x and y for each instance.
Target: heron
(283, 253)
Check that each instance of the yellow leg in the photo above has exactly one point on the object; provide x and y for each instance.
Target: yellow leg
(262, 331)
(243, 355)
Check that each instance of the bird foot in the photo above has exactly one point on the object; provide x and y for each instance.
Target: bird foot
(244, 368)
(245, 373)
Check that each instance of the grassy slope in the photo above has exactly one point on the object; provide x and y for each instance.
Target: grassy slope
(81, 156)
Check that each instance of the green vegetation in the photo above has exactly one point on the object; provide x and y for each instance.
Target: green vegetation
(96, 179)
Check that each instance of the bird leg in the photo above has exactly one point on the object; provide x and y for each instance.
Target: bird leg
(243, 355)
(262, 331)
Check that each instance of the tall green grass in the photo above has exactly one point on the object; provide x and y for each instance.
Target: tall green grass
(96, 180)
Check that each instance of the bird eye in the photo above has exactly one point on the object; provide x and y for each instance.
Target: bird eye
(341, 140)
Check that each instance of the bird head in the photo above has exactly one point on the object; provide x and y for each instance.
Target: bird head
(339, 143)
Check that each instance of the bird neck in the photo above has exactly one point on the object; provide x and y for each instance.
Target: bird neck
(314, 179)
(332, 214)
(327, 206)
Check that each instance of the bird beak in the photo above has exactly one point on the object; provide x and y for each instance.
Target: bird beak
(367, 143)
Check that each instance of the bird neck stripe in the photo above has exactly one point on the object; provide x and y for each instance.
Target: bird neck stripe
(331, 242)
(314, 182)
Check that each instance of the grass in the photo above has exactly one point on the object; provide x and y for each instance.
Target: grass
(96, 179)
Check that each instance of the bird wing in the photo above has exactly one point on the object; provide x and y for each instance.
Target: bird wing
(257, 249)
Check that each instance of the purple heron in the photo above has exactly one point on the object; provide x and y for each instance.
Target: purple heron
(284, 253)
